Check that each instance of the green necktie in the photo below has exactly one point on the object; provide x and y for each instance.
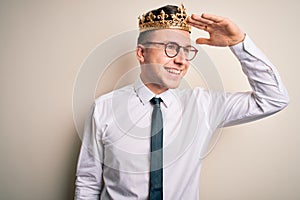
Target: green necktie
(156, 155)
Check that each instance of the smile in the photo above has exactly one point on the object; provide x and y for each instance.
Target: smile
(173, 71)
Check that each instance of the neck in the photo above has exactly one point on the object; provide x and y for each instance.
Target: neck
(155, 88)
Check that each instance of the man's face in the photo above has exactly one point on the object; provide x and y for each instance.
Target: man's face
(158, 71)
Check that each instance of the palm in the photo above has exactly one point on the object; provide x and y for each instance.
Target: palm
(222, 31)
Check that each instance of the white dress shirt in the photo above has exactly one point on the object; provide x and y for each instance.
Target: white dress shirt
(114, 158)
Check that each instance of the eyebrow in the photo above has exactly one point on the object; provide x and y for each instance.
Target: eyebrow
(185, 45)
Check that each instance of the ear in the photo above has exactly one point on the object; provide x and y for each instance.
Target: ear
(140, 50)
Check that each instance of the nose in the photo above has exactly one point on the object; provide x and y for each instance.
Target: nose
(180, 58)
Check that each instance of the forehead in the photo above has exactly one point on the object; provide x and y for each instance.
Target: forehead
(173, 35)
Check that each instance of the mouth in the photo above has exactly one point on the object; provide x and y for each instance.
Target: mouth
(173, 71)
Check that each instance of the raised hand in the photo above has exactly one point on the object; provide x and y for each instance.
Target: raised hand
(222, 31)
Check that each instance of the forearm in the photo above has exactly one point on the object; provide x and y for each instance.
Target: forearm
(88, 177)
(262, 75)
(268, 93)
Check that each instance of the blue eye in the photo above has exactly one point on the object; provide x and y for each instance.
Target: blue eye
(172, 46)
(186, 50)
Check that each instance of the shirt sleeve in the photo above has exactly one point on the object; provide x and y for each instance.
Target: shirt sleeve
(268, 94)
(89, 168)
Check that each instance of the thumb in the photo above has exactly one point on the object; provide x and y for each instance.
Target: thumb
(203, 41)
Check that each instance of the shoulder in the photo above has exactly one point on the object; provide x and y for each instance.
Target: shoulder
(115, 94)
(106, 102)
(201, 95)
(192, 92)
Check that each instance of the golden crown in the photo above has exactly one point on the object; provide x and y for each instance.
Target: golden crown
(167, 17)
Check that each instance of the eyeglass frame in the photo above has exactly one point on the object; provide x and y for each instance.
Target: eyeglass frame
(177, 50)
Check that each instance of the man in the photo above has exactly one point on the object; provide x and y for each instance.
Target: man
(144, 141)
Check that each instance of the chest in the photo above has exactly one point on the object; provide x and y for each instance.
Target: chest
(127, 142)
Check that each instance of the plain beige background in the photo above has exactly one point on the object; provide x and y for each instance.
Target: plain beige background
(44, 43)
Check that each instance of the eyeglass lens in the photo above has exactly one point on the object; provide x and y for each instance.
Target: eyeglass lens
(172, 49)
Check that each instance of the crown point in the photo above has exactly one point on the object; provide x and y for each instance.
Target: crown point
(167, 17)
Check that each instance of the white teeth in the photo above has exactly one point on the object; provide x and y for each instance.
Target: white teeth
(174, 71)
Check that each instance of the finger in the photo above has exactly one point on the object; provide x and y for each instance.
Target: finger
(202, 27)
(203, 41)
(195, 22)
(200, 19)
(211, 17)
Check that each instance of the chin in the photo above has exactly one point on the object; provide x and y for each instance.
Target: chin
(172, 85)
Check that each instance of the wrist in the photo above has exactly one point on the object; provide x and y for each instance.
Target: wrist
(238, 39)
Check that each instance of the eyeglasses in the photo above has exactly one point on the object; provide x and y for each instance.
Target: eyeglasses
(172, 49)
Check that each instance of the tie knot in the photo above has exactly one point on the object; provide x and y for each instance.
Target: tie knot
(155, 101)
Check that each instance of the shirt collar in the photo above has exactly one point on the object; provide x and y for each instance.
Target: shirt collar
(145, 95)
